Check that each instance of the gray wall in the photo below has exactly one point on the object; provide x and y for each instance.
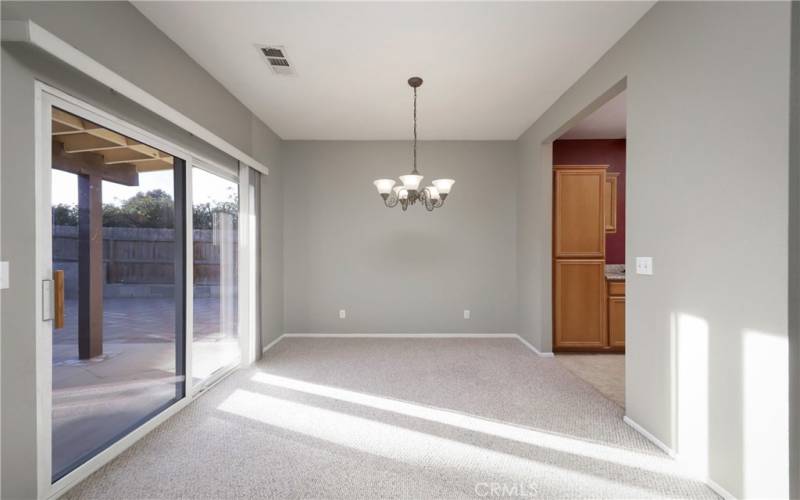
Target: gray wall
(266, 149)
(395, 272)
(707, 93)
(107, 32)
(794, 253)
(18, 405)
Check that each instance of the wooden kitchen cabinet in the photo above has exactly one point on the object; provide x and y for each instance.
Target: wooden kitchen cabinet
(616, 287)
(610, 202)
(616, 321)
(579, 212)
(579, 318)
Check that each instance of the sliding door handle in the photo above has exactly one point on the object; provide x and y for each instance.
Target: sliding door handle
(47, 300)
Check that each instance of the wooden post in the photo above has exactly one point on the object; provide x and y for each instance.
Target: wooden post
(90, 266)
(92, 171)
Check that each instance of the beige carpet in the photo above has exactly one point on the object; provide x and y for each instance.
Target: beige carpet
(396, 418)
(604, 372)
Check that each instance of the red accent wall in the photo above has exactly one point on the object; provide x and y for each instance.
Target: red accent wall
(609, 152)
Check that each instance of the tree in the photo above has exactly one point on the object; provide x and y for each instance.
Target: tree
(203, 213)
(152, 209)
(65, 215)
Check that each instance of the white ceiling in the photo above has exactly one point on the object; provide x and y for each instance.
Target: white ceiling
(608, 122)
(490, 69)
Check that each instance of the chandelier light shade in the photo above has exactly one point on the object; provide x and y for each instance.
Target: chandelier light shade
(443, 185)
(409, 193)
(384, 185)
(411, 182)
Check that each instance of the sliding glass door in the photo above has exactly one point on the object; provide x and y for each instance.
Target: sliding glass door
(149, 286)
(215, 216)
(118, 312)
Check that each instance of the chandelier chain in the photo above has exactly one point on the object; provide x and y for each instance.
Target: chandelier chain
(415, 133)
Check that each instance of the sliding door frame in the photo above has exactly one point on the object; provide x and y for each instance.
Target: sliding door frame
(45, 98)
(249, 218)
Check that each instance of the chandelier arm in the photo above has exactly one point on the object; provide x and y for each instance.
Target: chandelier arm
(391, 200)
(430, 203)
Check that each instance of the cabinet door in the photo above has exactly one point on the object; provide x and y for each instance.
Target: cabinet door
(610, 202)
(580, 304)
(616, 321)
(579, 218)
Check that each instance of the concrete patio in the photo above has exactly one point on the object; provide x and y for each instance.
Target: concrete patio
(133, 378)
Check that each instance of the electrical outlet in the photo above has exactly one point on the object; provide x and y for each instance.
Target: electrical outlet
(467, 314)
(4, 275)
(644, 265)
(342, 314)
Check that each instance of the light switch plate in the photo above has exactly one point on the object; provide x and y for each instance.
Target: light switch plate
(4, 278)
(342, 314)
(644, 265)
(467, 313)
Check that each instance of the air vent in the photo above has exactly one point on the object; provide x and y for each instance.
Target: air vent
(272, 52)
(274, 61)
(277, 60)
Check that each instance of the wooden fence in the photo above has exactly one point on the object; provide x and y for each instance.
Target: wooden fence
(140, 261)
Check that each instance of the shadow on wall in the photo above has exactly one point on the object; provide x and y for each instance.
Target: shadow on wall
(762, 393)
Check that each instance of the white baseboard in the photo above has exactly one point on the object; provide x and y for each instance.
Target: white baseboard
(415, 336)
(719, 490)
(272, 344)
(404, 335)
(644, 432)
(534, 349)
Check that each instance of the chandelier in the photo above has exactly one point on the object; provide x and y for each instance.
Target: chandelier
(410, 193)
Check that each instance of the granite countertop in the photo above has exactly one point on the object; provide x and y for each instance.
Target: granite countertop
(615, 272)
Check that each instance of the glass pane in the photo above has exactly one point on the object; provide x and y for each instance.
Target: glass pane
(215, 211)
(117, 358)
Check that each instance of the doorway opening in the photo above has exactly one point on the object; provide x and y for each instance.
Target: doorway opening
(589, 183)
